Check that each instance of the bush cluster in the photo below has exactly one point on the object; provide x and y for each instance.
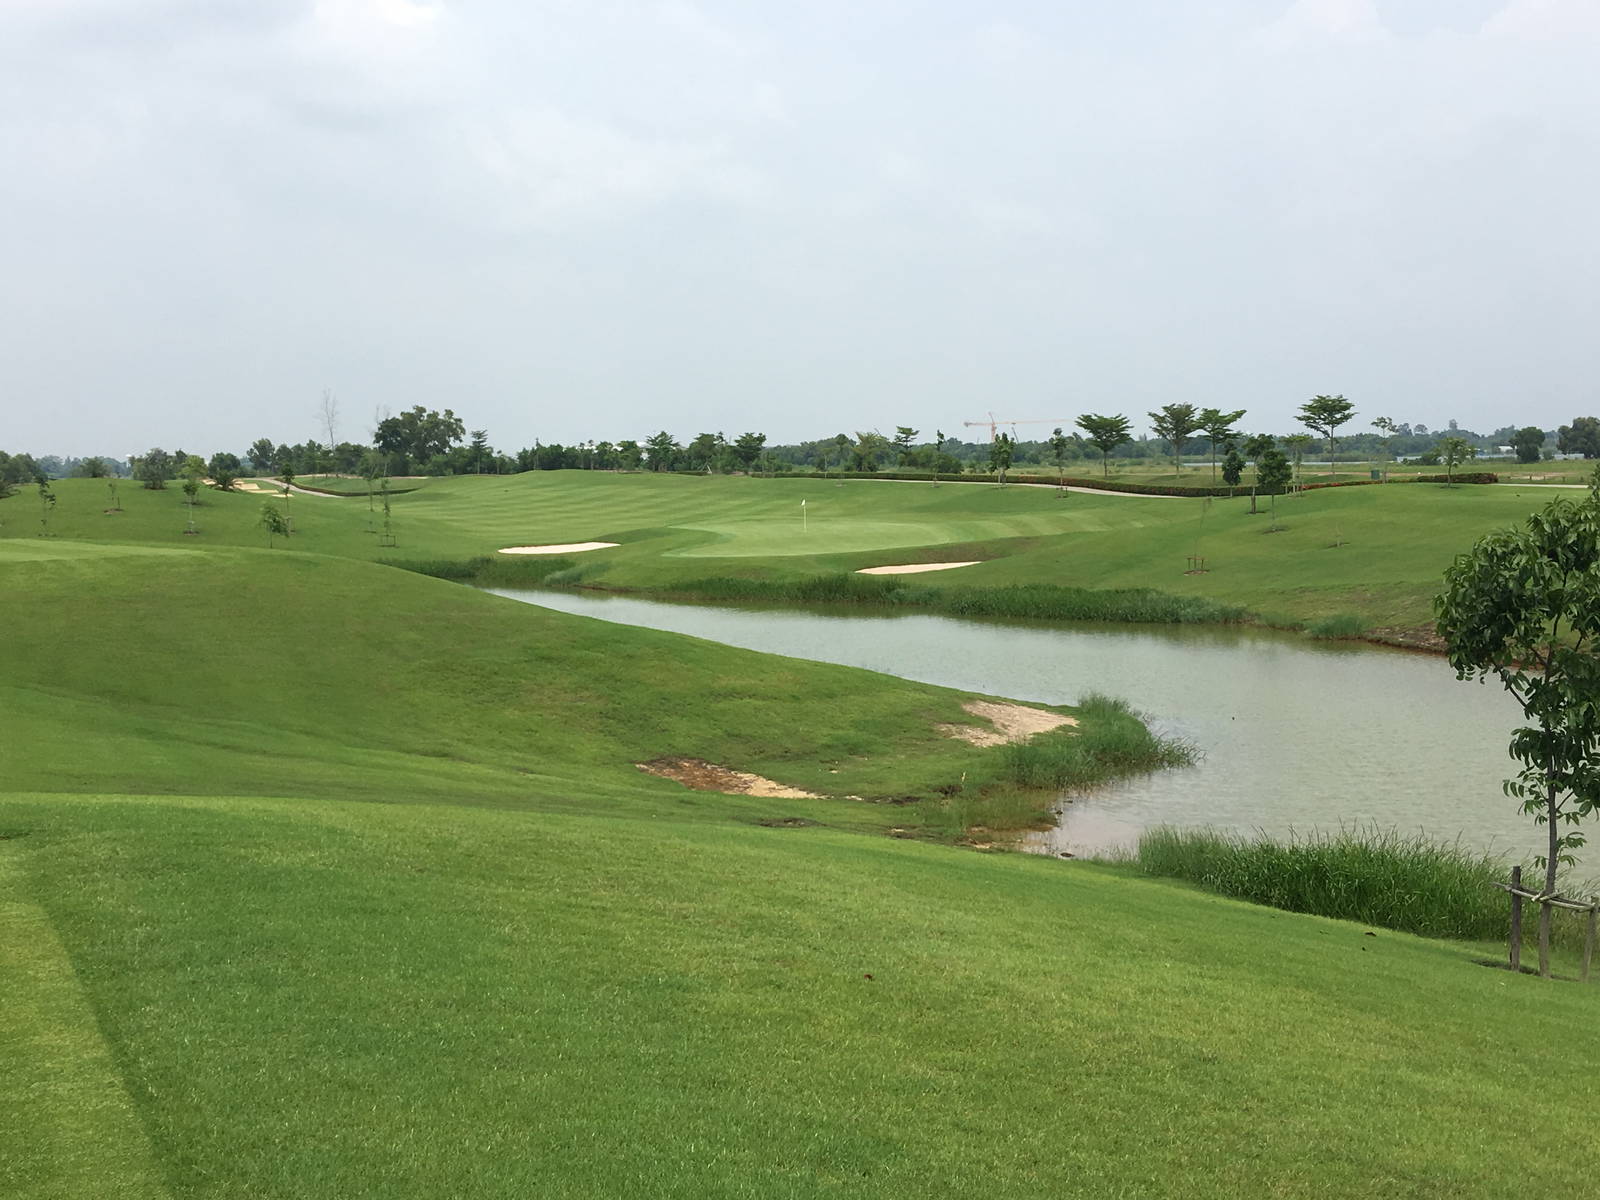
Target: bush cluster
(1459, 477)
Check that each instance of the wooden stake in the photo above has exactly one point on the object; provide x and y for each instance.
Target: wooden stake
(1516, 919)
(1588, 945)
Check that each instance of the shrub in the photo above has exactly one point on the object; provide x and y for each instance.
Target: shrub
(1459, 477)
(1340, 625)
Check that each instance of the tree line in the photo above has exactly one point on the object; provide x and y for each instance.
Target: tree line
(423, 441)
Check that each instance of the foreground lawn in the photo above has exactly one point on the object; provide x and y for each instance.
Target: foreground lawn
(310, 998)
(1374, 553)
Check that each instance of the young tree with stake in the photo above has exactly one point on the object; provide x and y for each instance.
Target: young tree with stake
(1058, 453)
(1000, 453)
(1454, 451)
(1524, 605)
(1272, 474)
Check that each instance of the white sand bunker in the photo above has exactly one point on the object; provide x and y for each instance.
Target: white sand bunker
(1012, 723)
(709, 777)
(915, 568)
(566, 548)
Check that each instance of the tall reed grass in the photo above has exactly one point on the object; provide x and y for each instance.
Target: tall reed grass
(1030, 601)
(1110, 741)
(1378, 877)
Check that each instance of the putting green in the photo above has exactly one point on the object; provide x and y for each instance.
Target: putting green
(850, 534)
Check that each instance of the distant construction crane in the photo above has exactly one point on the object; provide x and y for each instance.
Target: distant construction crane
(993, 425)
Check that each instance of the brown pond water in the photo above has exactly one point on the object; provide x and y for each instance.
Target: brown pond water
(1295, 734)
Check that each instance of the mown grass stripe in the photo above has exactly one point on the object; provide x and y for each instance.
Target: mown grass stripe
(70, 1127)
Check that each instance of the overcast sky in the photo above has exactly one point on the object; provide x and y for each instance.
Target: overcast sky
(572, 219)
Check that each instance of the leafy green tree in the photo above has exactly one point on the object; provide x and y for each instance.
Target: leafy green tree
(748, 448)
(629, 455)
(1453, 451)
(1058, 454)
(1174, 423)
(1581, 437)
(661, 451)
(1528, 442)
(1218, 426)
(1232, 467)
(869, 446)
(20, 468)
(1001, 451)
(1273, 473)
(273, 521)
(1388, 429)
(193, 471)
(224, 470)
(1298, 444)
(153, 469)
(116, 499)
(418, 434)
(47, 506)
(479, 450)
(938, 453)
(1324, 415)
(841, 446)
(93, 467)
(1524, 605)
(1105, 434)
(1254, 448)
(262, 454)
(904, 435)
(701, 453)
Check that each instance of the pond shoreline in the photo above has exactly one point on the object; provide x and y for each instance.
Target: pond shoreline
(1295, 732)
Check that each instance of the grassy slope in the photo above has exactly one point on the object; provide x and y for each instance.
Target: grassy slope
(1397, 539)
(383, 684)
(546, 974)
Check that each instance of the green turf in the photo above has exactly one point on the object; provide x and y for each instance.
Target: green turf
(323, 879)
(1372, 556)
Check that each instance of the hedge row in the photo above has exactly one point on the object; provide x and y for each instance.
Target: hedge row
(1464, 477)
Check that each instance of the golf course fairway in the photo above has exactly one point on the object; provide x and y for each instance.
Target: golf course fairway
(322, 878)
(1369, 556)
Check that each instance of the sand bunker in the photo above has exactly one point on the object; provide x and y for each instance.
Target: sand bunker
(1012, 723)
(708, 777)
(914, 568)
(567, 548)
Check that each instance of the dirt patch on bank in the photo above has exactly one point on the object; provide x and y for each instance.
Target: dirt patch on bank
(1409, 637)
(1011, 723)
(702, 776)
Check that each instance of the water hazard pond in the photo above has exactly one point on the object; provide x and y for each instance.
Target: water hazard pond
(1296, 734)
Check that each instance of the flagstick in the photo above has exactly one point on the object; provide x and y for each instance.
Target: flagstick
(803, 519)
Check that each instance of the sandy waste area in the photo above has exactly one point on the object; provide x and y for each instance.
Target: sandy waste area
(1011, 723)
(566, 548)
(709, 777)
(916, 568)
